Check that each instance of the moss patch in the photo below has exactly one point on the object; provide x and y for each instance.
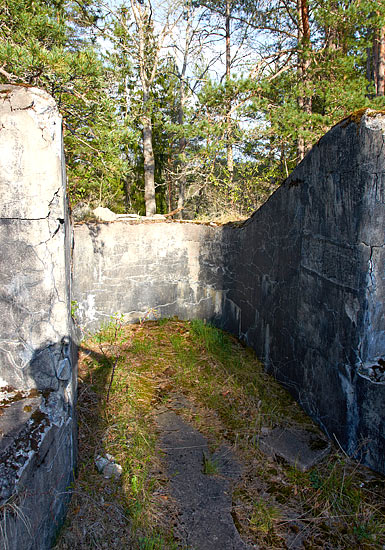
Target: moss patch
(356, 116)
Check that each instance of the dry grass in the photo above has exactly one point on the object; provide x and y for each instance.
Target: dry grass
(337, 505)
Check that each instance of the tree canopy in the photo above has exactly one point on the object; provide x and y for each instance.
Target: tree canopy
(194, 107)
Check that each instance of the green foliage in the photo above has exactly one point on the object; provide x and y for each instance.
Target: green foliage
(229, 398)
(54, 45)
(50, 44)
(210, 466)
(263, 517)
(152, 543)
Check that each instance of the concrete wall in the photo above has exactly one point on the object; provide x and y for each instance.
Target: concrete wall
(176, 269)
(37, 357)
(313, 303)
(302, 281)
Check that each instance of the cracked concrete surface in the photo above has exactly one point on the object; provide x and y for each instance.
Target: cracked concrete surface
(302, 281)
(174, 270)
(37, 423)
(34, 292)
(204, 501)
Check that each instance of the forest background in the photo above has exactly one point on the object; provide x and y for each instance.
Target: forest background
(194, 107)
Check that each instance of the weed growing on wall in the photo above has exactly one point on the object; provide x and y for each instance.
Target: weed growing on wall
(10, 509)
(336, 505)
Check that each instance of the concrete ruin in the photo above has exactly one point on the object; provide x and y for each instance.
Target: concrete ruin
(37, 356)
(302, 282)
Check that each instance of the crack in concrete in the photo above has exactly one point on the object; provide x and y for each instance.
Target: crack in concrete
(25, 219)
(56, 195)
(14, 109)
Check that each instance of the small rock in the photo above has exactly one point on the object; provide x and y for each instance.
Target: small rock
(100, 463)
(64, 370)
(107, 466)
(105, 214)
(112, 470)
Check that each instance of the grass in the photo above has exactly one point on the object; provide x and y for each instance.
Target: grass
(336, 505)
(210, 466)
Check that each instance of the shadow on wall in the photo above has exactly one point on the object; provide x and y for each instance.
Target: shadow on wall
(37, 354)
(37, 453)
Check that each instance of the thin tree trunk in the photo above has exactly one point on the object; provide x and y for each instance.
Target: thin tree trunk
(149, 160)
(331, 33)
(182, 147)
(181, 107)
(379, 61)
(229, 145)
(141, 17)
(169, 192)
(182, 140)
(126, 189)
(369, 65)
(304, 102)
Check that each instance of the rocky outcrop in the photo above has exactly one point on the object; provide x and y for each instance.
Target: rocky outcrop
(37, 357)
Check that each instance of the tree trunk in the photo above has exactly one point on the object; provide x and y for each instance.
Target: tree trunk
(304, 102)
(182, 141)
(369, 65)
(126, 189)
(149, 161)
(379, 61)
(331, 32)
(229, 145)
(182, 171)
(182, 175)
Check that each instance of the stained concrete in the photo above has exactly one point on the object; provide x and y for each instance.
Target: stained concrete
(37, 355)
(298, 447)
(14, 418)
(34, 239)
(302, 282)
(164, 268)
(312, 305)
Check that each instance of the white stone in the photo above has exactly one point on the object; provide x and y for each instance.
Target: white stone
(105, 214)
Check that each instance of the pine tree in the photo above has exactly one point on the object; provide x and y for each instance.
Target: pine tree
(49, 44)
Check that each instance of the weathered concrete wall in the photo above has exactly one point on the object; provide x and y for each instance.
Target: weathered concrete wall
(176, 269)
(37, 358)
(302, 281)
(312, 304)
